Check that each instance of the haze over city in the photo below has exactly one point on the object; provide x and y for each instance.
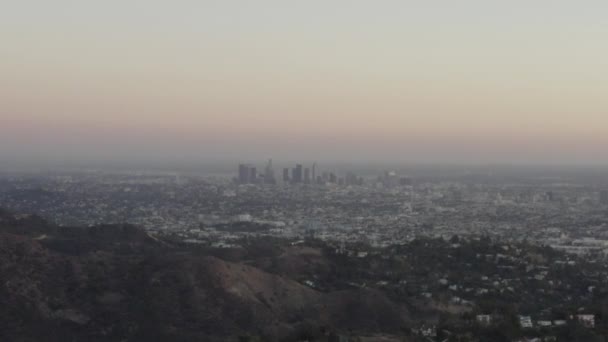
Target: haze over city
(306, 171)
(466, 81)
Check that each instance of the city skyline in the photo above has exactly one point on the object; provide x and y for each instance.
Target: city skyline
(321, 170)
(358, 81)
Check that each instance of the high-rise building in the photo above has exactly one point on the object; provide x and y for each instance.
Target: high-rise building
(244, 173)
(269, 173)
(333, 178)
(253, 175)
(314, 172)
(286, 175)
(307, 176)
(389, 179)
(296, 175)
(351, 179)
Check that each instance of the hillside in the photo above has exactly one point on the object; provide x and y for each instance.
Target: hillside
(111, 283)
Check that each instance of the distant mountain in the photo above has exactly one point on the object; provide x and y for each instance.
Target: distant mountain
(117, 283)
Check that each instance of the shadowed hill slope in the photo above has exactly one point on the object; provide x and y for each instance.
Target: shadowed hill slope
(111, 283)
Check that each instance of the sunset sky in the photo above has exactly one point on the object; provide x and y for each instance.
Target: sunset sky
(467, 80)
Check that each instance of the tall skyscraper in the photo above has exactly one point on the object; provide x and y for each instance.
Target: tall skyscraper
(244, 173)
(333, 178)
(314, 172)
(269, 173)
(390, 179)
(351, 179)
(307, 176)
(286, 175)
(253, 175)
(296, 175)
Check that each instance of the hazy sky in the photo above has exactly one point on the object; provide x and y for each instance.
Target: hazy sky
(467, 80)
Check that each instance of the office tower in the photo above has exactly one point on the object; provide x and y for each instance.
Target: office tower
(253, 175)
(314, 172)
(390, 179)
(244, 173)
(285, 175)
(269, 173)
(333, 178)
(307, 176)
(351, 179)
(297, 174)
(300, 173)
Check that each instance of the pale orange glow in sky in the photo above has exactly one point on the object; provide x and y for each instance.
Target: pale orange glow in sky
(471, 80)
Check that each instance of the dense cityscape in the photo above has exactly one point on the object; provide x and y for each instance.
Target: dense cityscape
(381, 208)
(516, 256)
